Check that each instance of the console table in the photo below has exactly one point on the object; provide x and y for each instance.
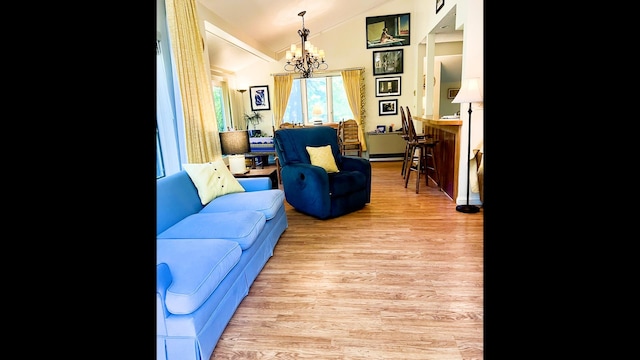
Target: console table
(388, 146)
(262, 156)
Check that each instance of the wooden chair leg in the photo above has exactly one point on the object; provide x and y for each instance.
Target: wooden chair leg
(419, 169)
(411, 152)
(278, 170)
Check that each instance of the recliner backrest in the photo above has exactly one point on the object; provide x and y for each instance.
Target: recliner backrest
(291, 144)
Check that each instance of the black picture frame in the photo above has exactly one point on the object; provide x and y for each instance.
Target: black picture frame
(388, 107)
(388, 86)
(398, 30)
(386, 62)
(439, 5)
(259, 96)
(451, 93)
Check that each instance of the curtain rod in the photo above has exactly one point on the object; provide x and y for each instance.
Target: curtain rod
(322, 72)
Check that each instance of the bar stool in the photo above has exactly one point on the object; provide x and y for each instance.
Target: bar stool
(426, 147)
(406, 161)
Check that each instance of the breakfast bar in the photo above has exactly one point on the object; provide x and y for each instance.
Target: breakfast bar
(446, 131)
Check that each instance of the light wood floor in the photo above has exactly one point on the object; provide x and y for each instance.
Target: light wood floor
(400, 279)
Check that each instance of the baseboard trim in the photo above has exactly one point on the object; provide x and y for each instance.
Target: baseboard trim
(385, 159)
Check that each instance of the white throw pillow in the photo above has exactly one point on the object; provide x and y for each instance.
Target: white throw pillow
(212, 180)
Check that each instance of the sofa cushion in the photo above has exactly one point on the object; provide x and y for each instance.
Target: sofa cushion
(322, 156)
(197, 267)
(266, 201)
(212, 179)
(242, 227)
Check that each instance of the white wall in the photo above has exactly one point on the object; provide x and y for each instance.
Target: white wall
(345, 47)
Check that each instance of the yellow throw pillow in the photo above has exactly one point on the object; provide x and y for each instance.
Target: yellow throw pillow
(212, 180)
(322, 156)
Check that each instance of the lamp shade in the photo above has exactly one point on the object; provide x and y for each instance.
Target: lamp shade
(317, 110)
(469, 91)
(235, 142)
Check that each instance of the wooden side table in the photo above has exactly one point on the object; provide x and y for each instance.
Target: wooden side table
(269, 171)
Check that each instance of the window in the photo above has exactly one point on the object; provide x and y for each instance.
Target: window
(170, 138)
(159, 162)
(221, 103)
(318, 98)
(219, 107)
(168, 152)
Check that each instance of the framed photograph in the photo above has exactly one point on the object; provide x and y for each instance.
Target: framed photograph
(388, 30)
(388, 86)
(259, 96)
(451, 93)
(387, 62)
(381, 129)
(387, 107)
(439, 5)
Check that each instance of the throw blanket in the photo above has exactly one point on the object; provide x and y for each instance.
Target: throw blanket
(261, 144)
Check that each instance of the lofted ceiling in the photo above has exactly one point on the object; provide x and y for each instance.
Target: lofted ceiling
(250, 31)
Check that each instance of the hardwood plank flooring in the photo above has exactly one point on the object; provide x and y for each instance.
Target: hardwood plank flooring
(400, 279)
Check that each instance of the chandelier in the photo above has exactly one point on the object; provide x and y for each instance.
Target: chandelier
(307, 58)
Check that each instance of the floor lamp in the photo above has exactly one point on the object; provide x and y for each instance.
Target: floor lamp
(469, 92)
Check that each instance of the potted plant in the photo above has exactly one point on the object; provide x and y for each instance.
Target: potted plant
(254, 119)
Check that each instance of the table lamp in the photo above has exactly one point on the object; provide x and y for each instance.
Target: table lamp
(235, 144)
(469, 92)
(317, 113)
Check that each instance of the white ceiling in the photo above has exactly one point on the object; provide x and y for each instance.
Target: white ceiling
(250, 31)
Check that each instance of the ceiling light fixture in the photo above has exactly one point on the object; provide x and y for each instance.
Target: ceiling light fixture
(307, 58)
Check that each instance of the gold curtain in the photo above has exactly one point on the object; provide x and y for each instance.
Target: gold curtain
(201, 131)
(282, 89)
(354, 87)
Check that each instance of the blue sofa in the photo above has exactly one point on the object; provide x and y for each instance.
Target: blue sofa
(207, 257)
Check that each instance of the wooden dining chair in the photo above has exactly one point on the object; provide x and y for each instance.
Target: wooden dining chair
(349, 137)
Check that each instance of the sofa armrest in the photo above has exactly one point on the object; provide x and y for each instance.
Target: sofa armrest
(163, 280)
(255, 184)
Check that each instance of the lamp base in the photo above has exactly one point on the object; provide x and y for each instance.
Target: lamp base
(469, 209)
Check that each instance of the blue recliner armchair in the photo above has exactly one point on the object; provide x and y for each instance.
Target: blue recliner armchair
(311, 189)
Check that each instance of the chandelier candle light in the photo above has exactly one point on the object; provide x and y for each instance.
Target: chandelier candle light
(307, 58)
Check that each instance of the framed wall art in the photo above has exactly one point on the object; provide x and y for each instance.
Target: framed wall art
(259, 96)
(439, 5)
(387, 107)
(451, 93)
(388, 86)
(387, 62)
(388, 30)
